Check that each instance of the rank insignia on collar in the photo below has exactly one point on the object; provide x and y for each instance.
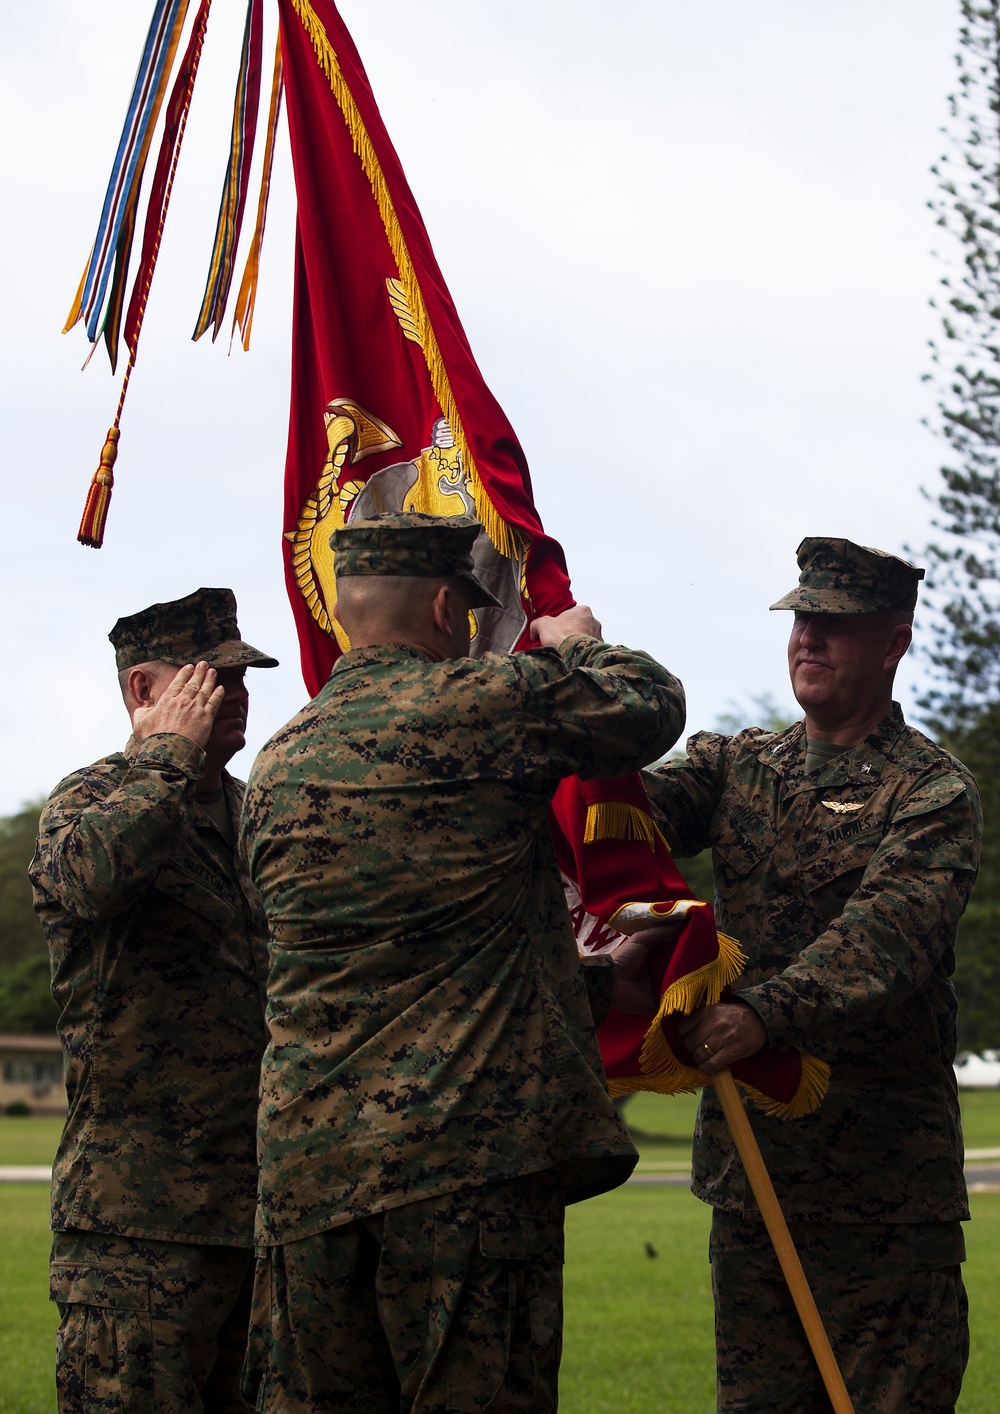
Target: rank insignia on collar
(843, 807)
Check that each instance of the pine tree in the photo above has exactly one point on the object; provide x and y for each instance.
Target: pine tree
(20, 931)
(963, 707)
(964, 579)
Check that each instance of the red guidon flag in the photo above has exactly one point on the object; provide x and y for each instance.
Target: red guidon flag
(389, 412)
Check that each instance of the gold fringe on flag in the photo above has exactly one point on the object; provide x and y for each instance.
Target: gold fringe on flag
(618, 820)
(663, 1074)
(813, 1085)
(661, 1071)
(500, 533)
(704, 986)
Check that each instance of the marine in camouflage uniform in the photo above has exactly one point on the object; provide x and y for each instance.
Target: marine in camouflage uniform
(158, 952)
(432, 1094)
(844, 851)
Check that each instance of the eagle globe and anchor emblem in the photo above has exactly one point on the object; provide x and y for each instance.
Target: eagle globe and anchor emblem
(434, 482)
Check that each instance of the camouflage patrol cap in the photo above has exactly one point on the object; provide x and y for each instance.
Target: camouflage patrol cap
(412, 543)
(839, 577)
(201, 628)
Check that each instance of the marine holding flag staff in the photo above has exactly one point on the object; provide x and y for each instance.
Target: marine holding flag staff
(432, 1094)
(844, 849)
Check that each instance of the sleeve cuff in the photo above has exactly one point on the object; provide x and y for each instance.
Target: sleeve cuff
(170, 750)
(769, 1014)
(576, 648)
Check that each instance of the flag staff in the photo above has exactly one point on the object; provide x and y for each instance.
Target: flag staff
(784, 1247)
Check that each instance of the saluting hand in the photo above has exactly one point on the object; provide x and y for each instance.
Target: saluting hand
(186, 707)
(551, 629)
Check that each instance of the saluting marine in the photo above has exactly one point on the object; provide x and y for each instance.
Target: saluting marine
(158, 950)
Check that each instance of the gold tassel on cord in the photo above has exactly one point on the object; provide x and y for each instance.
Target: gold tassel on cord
(95, 512)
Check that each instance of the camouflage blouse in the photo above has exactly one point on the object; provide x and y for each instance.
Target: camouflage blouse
(844, 886)
(158, 952)
(429, 1021)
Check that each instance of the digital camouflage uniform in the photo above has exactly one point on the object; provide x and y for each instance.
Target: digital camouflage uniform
(431, 1044)
(157, 943)
(844, 886)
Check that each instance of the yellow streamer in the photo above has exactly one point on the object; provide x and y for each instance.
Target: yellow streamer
(247, 297)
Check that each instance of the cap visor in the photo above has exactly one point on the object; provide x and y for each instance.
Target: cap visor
(821, 601)
(232, 654)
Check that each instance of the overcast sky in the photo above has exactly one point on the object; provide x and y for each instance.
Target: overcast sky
(689, 243)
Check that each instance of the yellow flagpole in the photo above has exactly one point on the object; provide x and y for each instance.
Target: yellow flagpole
(784, 1247)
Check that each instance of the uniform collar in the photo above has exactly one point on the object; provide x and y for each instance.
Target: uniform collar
(785, 753)
(379, 653)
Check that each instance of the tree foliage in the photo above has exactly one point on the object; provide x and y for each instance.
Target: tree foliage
(964, 577)
(26, 1003)
(977, 974)
(963, 707)
(20, 932)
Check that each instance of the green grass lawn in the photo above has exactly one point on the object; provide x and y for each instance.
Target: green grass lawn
(664, 1124)
(638, 1327)
(981, 1118)
(27, 1318)
(982, 1277)
(28, 1139)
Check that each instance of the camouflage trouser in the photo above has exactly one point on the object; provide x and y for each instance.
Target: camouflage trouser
(891, 1299)
(149, 1327)
(453, 1303)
